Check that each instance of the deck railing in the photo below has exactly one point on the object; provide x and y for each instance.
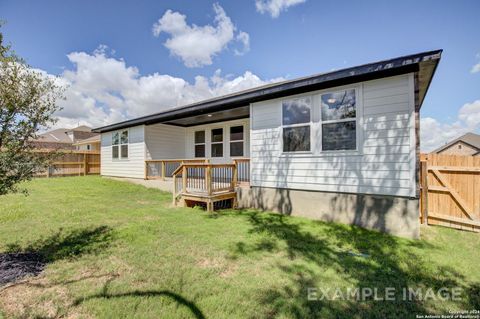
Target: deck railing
(208, 182)
(206, 179)
(243, 170)
(161, 169)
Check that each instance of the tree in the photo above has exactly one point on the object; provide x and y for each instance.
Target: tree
(28, 101)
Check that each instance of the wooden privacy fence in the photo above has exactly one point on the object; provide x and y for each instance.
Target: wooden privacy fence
(450, 191)
(73, 163)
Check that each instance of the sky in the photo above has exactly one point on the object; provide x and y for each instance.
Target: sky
(123, 59)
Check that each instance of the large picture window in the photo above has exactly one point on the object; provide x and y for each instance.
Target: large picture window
(296, 118)
(236, 141)
(200, 144)
(339, 123)
(120, 144)
(217, 142)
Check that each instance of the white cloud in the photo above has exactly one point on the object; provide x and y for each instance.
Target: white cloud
(197, 45)
(103, 90)
(475, 68)
(274, 7)
(243, 38)
(435, 134)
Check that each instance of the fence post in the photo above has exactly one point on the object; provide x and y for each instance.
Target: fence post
(85, 164)
(163, 170)
(424, 191)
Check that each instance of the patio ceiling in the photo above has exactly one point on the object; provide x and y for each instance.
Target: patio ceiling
(206, 118)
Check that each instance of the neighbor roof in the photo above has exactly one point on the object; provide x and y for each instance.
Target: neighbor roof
(60, 135)
(424, 63)
(471, 139)
(93, 139)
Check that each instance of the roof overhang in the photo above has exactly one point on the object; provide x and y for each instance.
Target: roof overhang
(236, 105)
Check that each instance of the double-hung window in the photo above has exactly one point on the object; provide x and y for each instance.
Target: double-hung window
(339, 124)
(217, 142)
(296, 119)
(120, 144)
(200, 144)
(236, 140)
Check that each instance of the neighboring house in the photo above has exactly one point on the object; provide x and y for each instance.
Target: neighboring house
(340, 146)
(468, 144)
(89, 144)
(63, 138)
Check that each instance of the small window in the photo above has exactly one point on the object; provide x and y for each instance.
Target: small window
(339, 129)
(199, 144)
(217, 142)
(296, 118)
(119, 144)
(236, 141)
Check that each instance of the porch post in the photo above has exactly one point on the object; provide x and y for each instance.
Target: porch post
(184, 179)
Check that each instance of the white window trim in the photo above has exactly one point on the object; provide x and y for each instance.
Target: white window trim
(222, 142)
(358, 109)
(120, 158)
(230, 141)
(310, 124)
(204, 143)
(316, 124)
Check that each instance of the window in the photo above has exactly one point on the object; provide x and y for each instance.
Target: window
(339, 124)
(217, 142)
(200, 144)
(120, 144)
(236, 141)
(115, 143)
(296, 117)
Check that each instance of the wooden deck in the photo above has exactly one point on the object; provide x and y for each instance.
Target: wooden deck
(207, 183)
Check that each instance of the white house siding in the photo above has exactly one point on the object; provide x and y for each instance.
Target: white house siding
(383, 164)
(190, 132)
(134, 166)
(164, 141)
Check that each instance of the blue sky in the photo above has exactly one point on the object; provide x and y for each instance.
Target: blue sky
(306, 37)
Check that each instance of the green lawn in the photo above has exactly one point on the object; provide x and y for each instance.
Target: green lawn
(117, 250)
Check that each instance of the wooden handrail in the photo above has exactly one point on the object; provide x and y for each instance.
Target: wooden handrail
(178, 160)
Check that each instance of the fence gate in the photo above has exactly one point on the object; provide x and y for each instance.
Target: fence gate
(450, 191)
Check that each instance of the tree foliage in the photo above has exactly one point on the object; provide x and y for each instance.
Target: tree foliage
(28, 101)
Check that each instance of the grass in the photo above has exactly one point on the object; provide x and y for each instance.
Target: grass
(118, 250)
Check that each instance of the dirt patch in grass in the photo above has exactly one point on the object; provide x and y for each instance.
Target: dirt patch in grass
(35, 298)
(223, 267)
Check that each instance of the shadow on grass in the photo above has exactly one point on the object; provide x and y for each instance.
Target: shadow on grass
(63, 245)
(360, 258)
(19, 262)
(180, 300)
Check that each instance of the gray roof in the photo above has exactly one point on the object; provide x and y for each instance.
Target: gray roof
(93, 139)
(60, 135)
(471, 139)
(424, 64)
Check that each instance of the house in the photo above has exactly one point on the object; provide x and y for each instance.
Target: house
(88, 144)
(340, 146)
(63, 138)
(467, 144)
